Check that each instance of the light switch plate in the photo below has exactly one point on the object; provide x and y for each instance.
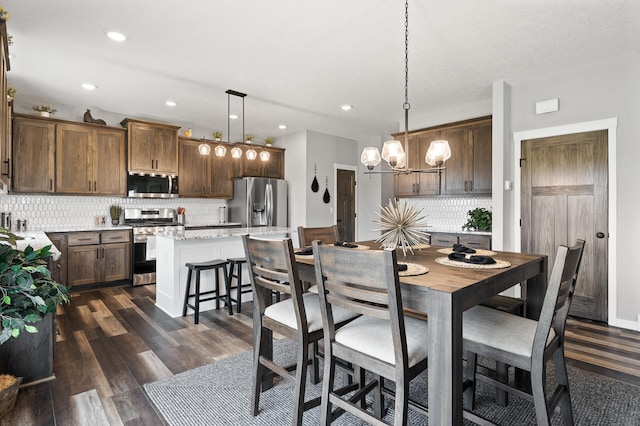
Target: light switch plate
(544, 107)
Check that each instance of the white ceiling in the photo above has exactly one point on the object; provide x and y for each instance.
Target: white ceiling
(299, 60)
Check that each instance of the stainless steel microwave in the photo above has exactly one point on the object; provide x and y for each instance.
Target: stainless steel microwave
(152, 186)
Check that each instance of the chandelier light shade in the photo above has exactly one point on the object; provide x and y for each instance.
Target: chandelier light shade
(220, 150)
(265, 155)
(204, 149)
(251, 154)
(370, 157)
(236, 152)
(438, 152)
(393, 153)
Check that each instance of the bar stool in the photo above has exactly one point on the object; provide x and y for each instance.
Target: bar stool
(216, 264)
(235, 271)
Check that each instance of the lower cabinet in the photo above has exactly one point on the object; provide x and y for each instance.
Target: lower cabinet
(98, 257)
(58, 267)
(447, 239)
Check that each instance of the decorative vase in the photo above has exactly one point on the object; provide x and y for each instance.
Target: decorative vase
(44, 113)
(188, 132)
(115, 221)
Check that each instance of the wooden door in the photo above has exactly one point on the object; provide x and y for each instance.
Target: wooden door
(34, 154)
(83, 265)
(140, 148)
(191, 169)
(74, 159)
(564, 197)
(109, 168)
(165, 150)
(480, 162)
(116, 260)
(220, 183)
(346, 204)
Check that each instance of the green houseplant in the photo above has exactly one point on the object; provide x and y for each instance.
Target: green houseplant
(269, 141)
(44, 110)
(115, 211)
(28, 293)
(479, 219)
(217, 136)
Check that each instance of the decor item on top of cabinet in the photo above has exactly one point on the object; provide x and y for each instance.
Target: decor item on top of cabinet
(248, 138)
(314, 185)
(115, 211)
(4, 14)
(44, 110)
(402, 225)
(479, 220)
(11, 93)
(217, 136)
(89, 119)
(269, 141)
(187, 132)
(326, 197)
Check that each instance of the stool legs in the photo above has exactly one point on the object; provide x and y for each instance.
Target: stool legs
(186, 293)
(216, 265)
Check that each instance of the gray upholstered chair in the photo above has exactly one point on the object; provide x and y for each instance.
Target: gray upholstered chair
(273, 267)
(382, 341)
(525, 343)
(327, 234)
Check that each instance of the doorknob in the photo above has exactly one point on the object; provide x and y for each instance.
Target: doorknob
(600, 235)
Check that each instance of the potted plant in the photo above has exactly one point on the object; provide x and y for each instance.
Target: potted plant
(44, 110)
(4, 14)
(248, 138)
(115, 211)
(269, 141)
(11, 93)
(217, 136)
(479, 219)
(28, 301)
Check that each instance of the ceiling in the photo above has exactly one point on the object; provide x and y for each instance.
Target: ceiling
(299, 61)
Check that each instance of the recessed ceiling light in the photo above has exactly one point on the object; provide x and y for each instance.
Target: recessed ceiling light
(282, 126)
(115, 36)
(170, 103)
(89, 86)
(233, 116)
(346, 107)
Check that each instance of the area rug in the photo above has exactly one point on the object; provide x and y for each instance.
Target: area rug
(220, 394)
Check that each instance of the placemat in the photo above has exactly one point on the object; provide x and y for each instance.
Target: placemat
(479, 252)
(412, 269)
(500, 264)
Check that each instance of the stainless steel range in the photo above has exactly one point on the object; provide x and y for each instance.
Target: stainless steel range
(146, 223)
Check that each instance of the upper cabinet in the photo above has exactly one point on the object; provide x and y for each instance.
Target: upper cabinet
(5, 110)
(33, 155)
(153, 147)
(468, 171)
(204, 176)
(271, 168)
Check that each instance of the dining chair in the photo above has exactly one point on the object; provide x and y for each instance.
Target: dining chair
(382, 341)
(273, 267)
(525, 343)
(327, 234)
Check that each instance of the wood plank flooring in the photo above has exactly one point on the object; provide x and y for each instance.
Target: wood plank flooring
(112, 341)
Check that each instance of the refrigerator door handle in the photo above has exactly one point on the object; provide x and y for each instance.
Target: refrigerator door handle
(249, 206)
(268, 200)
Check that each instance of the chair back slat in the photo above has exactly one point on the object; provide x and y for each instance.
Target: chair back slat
(357, 292)
(327, 234)
(381, 312)
(559, 294)
(353, 266)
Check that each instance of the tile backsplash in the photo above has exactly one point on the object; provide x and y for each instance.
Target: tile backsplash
(448, 214)
(60, 212)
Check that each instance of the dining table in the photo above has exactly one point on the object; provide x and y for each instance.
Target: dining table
(443, 293)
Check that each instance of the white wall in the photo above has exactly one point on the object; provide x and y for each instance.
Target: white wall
(295, 173)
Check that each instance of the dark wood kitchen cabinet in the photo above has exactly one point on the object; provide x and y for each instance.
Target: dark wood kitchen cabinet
(272, 168)
(6, 109)
(33, 155)
(98, 257)
(448, 239)
(417, 184)
(153, 147)
(206, 176)
(90, 160)
(58, 267)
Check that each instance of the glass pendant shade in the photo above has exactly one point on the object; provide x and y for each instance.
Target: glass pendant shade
(265, 155)
(251, 154)
(370, 157)
(393, 153)
(220, 150)
(204, 149)
(438, 153)
(236, 152)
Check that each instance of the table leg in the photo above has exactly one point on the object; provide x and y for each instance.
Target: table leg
(445, 358)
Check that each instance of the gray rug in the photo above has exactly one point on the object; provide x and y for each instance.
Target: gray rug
(220, 394)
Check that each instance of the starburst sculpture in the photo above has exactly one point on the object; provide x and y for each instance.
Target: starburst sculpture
(402, 225)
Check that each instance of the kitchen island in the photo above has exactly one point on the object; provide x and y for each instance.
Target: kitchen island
(175, 249)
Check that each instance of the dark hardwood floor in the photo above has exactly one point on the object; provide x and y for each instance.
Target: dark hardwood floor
(113, 341)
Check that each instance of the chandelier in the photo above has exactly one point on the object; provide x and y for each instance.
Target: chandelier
(393, 151)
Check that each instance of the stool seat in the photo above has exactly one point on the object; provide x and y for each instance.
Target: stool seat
(198, 267)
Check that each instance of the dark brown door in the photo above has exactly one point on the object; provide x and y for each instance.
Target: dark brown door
(564, 197)
(346, 204)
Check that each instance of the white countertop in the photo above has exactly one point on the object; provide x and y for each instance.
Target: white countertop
(82, 228)
(222, 233)
(37, 240)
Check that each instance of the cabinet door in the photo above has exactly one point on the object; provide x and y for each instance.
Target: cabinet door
(220, 184)
(59, 267)
(475, 241)
(427, 183)
(455, 180)
(109, 168)
(443, 239)
(5, 119)
(406, 185)
(140, 148)
(274, 167)
(33, 156)
(116, 259)
(74, 159)
(251, 168)
(83, 265)
(480, 162)
(191, 170)
(165, 151)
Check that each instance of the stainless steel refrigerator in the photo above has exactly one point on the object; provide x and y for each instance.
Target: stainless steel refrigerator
(259, 202)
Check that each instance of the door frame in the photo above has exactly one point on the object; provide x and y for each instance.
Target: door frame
(609, 124)
(354, 169)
